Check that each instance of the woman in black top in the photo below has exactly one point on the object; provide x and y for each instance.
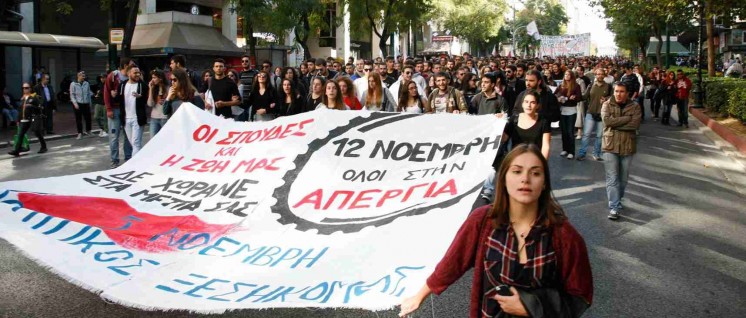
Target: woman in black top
(526, 127)
(291, 101)
(262, 98)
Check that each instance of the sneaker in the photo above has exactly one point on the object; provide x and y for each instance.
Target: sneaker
(570, 156)
(103, 134)
(79, 136)
(564, 153)
(114, 165)
(42, 150)
(14, 153)
(613, 215)
(597, 158)
(580, 158)
(87, 133)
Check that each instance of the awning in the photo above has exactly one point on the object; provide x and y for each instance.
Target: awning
(676, 48)
(49, 40)
(180, 38)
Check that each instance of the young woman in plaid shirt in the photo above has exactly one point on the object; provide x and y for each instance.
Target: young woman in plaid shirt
(523, 241)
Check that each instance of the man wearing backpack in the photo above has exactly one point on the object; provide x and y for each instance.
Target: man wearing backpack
(179, 61)
(445, 98)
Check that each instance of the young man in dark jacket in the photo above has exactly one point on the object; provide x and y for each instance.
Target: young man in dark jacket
(133, 97)
(550, 108)
(48, 100)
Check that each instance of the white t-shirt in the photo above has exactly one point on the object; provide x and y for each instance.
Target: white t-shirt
(440, 103)
(130, 102)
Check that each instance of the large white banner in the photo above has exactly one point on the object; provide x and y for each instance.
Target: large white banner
(324, 209)
(565, 45)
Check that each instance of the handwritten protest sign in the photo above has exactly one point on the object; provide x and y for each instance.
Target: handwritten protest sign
(322, 209)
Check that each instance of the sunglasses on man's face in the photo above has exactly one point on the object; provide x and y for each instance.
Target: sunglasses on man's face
(367, 69)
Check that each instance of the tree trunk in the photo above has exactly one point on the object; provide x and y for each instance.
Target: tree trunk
(382, 44)
(710, 39)
(659, 46)
(249, 26)
(129, 28)
(303, 40)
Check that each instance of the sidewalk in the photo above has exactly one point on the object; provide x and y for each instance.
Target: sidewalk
(64, 127)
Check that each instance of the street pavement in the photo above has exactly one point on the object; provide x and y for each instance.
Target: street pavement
(679, 249)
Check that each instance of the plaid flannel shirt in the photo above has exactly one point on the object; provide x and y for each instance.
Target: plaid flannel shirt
(502, 266)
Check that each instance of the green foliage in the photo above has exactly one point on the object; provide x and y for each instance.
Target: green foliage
(634, 21)
(60, 6)
(385, 17)
(550, 18)
(475, 21)
(737, 102)
(717, 94)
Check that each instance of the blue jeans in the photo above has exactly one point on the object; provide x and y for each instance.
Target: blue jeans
(11, 114)
(589, 125)
(115, 127)
(488, 188)
(617, 173)
(155, 125)
(567, 126)
(133, 131)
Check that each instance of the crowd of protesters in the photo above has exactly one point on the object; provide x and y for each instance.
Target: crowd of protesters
(601, 98)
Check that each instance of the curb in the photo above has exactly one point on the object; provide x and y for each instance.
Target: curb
(725, 133)
(7, 144)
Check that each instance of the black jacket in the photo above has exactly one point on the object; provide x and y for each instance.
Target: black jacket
(140, 103)
(550, 108)
(51, 104)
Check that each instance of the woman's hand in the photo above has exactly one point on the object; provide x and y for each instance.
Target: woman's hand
(261, 111)
(410, 305)
(171, 93)
(499, 115)
(512, 305)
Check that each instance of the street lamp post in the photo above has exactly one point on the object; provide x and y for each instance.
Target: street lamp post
(513, 32)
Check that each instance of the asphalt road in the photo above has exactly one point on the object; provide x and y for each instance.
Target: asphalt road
(679, 249)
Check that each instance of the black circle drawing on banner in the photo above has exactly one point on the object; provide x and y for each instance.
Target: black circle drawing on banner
(351, 225)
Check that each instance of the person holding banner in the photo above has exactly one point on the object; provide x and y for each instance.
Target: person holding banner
(528, 259)
(377, 97)
(332, 97)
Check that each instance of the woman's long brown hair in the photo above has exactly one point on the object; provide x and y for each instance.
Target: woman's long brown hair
(374, 97)
(339, 103)
(569, 86)
(550, 212)
(184, 88)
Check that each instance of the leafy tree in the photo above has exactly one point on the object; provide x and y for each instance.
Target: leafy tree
(129, 6)
(476, 21)
(387, 16)
(550, 18)
(304, 17)
(633, 20)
